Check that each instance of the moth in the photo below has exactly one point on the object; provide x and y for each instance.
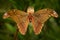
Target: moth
(37, 18)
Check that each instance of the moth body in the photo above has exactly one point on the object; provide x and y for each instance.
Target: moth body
(30, 12)
(30, 17)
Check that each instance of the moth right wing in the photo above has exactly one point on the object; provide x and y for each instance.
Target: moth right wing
(40, 17)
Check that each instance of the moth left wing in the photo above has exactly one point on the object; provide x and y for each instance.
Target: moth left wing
(40, 17)
(20, 17)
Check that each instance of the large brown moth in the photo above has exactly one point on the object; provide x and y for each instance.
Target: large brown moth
(36, 18)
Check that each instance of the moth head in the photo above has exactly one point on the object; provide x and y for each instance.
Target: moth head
(30, 10)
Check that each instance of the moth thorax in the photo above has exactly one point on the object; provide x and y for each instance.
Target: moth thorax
(30, 10)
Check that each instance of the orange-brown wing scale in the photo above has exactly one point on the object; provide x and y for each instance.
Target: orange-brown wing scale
(39, 18)
(20, 18)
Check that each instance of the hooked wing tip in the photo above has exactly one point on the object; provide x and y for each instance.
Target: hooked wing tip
(5, 15)
(55, 14)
